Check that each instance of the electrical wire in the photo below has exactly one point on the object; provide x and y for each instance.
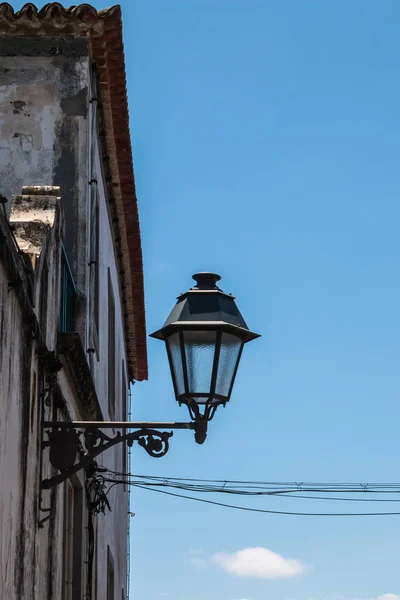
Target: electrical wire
(274, 484)
(296, 490)
(291, 492)
(279, 494)
(260, 510)
(264, 483)
(340, 499)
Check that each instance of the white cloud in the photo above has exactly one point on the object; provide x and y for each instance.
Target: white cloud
(389, 597)
(259, 562)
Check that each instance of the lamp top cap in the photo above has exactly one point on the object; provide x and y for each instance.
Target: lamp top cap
(206, 280)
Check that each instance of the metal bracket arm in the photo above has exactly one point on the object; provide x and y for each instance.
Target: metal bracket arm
(64, 443)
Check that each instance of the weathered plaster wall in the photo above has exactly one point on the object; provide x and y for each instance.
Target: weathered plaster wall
(12, 413)
(32, 558)
(43, 125)
(44, 103)
(112, 531)
(107, 264)
(23, 558)
(30, 116)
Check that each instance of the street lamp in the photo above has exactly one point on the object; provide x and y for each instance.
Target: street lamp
(204, 336)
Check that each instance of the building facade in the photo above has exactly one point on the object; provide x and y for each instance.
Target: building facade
(72, 323)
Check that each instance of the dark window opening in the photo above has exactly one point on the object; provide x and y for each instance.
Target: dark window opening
(94, 264)
(110, 575)
(44, 284)
(73, 542)
(68, 295)
(111, 349)
(124, 400)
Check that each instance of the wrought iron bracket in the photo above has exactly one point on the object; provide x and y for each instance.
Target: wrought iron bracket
(65, 444)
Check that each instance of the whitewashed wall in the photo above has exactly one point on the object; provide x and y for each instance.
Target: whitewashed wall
(112, 528)
(31, 558)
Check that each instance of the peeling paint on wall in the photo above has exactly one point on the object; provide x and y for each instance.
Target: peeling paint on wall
(43, 122)
(44, 113)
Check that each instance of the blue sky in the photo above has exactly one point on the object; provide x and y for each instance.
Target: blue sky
(266, 139)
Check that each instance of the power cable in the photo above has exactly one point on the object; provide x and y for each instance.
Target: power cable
(282, 493)
(298, 491)
(264, 483)
(260, 510)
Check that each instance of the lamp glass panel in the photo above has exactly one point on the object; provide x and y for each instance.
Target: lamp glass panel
(228, 357)
(174, 347)
(199, 352)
